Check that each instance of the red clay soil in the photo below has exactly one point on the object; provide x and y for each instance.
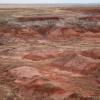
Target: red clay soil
(62, 33)
(36, 56)
(94, 53)
(77, 63)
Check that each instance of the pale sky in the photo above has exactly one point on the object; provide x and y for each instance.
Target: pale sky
(49, 1)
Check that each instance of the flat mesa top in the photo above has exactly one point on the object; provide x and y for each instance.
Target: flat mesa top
(48, 5)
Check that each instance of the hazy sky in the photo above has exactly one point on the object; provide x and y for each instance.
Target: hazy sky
(49, 1)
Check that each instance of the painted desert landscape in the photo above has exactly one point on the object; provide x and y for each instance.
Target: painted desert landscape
(49, 53)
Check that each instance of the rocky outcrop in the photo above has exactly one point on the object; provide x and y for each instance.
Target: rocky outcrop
(77, 63)
(62, 33)
(39, 18)
(37, 56)
(93, 53)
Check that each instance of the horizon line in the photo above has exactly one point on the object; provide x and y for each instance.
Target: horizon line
(49, 3)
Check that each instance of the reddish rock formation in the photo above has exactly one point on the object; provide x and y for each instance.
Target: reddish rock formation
(25, 72)
(36, 56)
(33, 80)
(92, 35)
(93, 53)
(91, 18)
(38, 18)
(27, 33)
(62, 33)
(77, 63)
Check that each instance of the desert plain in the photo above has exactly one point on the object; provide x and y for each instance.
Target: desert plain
(50, 53)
